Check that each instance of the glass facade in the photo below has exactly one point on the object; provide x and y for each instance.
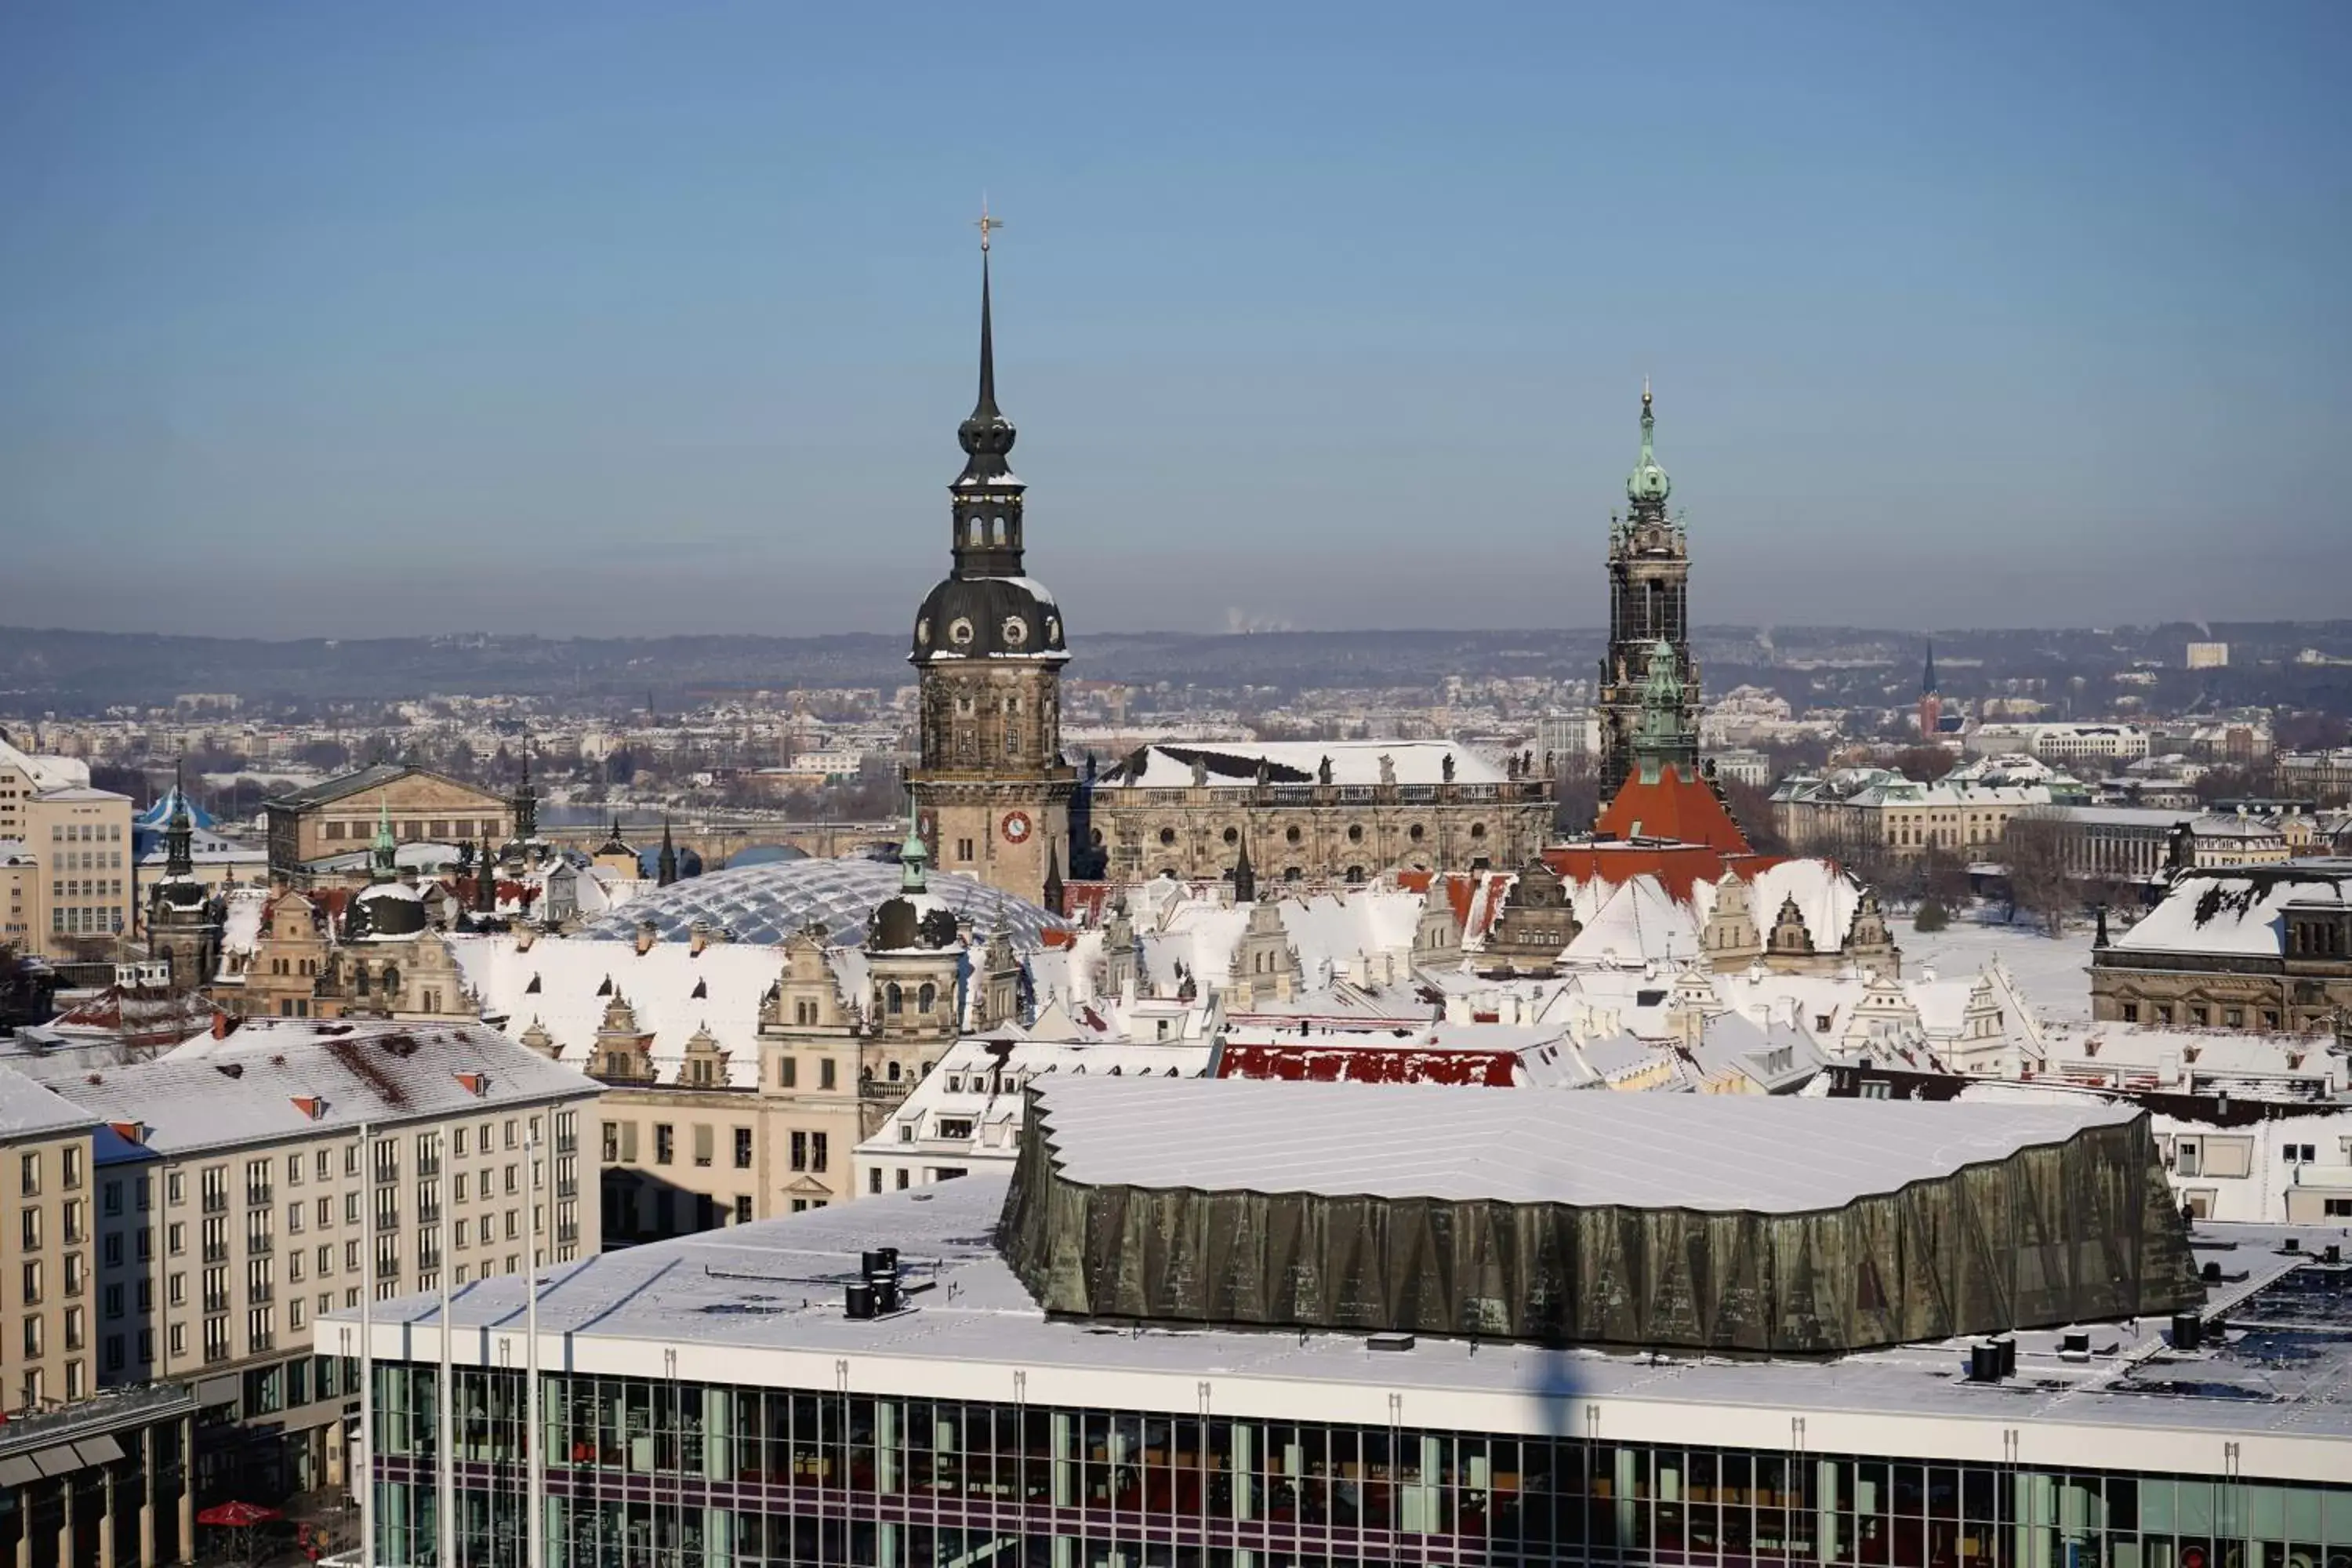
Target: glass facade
(659, 1474)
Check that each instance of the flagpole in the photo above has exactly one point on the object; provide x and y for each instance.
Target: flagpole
(445, 1450)
(534, 1461)
(366, 1458)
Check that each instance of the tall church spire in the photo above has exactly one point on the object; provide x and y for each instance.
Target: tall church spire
(179, 832)
(987, 510)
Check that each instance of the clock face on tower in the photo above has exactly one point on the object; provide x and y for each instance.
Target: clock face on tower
(1015, 827)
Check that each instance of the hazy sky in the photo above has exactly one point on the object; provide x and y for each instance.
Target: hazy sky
(659, 316)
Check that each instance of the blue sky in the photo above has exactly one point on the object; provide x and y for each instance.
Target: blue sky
(659, 316)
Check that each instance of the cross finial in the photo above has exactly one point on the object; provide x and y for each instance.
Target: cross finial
(987, 225)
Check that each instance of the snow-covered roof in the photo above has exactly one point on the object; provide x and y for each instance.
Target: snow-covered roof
(273, 1078)
(1233, 765)
(2241, 911)
(28, 1109)
(563, 985)
(768, 902)
(46, 772)
(1723, 1154)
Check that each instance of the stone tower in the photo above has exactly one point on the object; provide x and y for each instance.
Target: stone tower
(991, 790)
(1649, 577)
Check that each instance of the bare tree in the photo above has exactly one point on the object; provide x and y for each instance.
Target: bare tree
(1751, 807)
(2035, 849)
(1575, 790)
(1921, 764)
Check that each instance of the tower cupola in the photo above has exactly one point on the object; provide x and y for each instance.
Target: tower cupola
(1648, 485)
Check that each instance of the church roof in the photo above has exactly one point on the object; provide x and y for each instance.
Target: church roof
(1684, 809)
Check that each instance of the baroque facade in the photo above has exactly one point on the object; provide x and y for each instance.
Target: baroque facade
(2256, 948)
(991, 789)
(1649, 603)
(320, 836)
(1338, 812)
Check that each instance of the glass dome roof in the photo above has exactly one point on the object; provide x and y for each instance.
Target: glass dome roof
(767, 903)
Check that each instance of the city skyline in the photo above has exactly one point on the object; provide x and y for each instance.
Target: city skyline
(613, 326)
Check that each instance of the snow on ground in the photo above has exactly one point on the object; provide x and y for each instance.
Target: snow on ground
(2054, 972)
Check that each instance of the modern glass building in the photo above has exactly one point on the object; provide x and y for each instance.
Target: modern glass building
(711, 1401)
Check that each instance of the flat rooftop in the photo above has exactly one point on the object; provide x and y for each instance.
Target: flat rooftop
(761, 1305)
(1719, 1153)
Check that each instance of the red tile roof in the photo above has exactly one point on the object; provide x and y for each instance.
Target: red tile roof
(1685, 810)
(1328, 1062)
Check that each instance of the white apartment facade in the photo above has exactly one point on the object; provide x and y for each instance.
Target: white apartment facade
(248, 1185)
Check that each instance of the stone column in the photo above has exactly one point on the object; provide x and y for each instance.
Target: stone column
(106, 1520)
(25, 1529)
(146, 1496)
(188, 1488)
(65, 1521)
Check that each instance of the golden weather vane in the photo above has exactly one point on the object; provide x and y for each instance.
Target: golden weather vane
(987, 225)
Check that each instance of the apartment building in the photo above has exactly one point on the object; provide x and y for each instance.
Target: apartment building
(67, 881)
(247, 1182)
(44, 1265)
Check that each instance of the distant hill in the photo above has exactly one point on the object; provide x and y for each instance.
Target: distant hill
(73, 672)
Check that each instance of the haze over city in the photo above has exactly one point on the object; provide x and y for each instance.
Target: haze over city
(645, 319)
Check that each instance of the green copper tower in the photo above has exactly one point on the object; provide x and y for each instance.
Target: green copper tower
(1649, 610)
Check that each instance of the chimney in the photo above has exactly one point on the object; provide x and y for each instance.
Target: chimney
(698, 937)
(647, 934)
(525, 934)
(220, 1025)
(1457, 1008)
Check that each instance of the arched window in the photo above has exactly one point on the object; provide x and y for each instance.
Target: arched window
(1292, 874)
(1355, 874)
(360, 978)
(894, 1072)
(892, 999)
(391, 979)
(925, 997)
(999, 527)
(976, 534)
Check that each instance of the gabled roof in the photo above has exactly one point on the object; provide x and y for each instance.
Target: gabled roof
(1673, 807)
(346, 786)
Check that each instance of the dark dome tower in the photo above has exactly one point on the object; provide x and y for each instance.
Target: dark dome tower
(991, 789)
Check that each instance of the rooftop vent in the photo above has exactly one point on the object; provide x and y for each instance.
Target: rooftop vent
(1984, 1361)
(1387, 1341)
(2188, 1331)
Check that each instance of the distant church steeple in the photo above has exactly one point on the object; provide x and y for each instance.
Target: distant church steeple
(666, 863)
(1931, 702)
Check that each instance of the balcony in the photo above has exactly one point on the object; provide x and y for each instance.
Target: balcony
(216, 1252)
(215, 1202)
(259, 1295)
(215, 1301)
(387, 1219)
(259, 1197)
(259, 1246)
